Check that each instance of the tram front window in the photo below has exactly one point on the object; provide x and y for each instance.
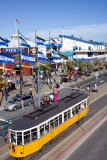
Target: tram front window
(13, 137)
(26, 137)
(19, 138)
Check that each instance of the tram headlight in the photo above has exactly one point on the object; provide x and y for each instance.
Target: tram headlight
(13, 149)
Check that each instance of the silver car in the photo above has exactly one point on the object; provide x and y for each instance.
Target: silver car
(15, 102)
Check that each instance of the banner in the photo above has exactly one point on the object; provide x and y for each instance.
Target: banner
(23, 42)
(4, 58)
(55, 55)
(27, 58)
(53, 43)
(4, 42)
(42, 56)
(40, 40)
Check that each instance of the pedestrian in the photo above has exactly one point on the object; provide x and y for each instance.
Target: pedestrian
(59, 80)
(30, 91)
(51, 98)
(22, 103)
(57, 92)
(17, 88)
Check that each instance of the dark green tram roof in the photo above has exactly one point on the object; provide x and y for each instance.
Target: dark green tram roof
(37, 117)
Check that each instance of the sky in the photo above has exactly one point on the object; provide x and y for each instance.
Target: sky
(81, 18)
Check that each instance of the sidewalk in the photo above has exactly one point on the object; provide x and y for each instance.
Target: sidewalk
(45, 88)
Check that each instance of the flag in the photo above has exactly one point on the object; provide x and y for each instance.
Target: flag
(27, 58)
(4, 42)
(42, 56)
(63, 27)
(53, 43)
(23, 42)
(24, 36)
(5, 58)
(17, 21)
(40, 40)
(55, 55)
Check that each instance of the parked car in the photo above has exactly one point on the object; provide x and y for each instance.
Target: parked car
(15, 102)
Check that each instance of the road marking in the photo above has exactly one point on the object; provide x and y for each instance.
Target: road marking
(91, 82)
(97, 98)
(102, 81)
(4, 155)
(3, 120)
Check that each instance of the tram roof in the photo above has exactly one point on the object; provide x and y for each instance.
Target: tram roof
(35, 118)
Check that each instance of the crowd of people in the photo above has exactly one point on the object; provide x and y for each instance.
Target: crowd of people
(53, 97)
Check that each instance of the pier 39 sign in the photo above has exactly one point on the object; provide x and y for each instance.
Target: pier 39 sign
(15, 50)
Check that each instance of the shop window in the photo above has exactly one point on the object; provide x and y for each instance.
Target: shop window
(60, 119)
(26, 137)
(19, 138)
(34, 134)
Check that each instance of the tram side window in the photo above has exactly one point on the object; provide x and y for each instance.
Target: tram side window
(26, 137)
(51, 125)
(60, 119)
(19, 138)
(88, 102)
(13, 137)
(73, 111)
(85, 104)
(46, 128)
(56, 122)
(34, 134)
(65, 116)
(69, 114)
(42, 131)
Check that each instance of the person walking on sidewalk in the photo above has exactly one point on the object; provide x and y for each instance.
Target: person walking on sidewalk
(30, 91)
(22, 103)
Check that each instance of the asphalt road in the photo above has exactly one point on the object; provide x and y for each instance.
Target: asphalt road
(5, 115)
(94, 107)
(94, 148)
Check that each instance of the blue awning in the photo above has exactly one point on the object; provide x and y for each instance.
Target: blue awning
(68, 53)
(52, 45)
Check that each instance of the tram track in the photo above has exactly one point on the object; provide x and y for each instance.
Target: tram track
(95, 107)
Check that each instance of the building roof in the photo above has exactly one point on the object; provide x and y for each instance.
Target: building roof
(81, 40)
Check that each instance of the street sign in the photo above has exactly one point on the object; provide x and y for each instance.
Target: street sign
(33, 50)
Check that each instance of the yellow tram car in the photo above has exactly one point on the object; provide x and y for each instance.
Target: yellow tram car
(29, 133)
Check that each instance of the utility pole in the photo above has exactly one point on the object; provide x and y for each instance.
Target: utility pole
(19, 63)
(50, 58)
(38, 76)
(36, 58)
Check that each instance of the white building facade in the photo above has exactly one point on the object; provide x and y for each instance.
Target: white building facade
(83, 49)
